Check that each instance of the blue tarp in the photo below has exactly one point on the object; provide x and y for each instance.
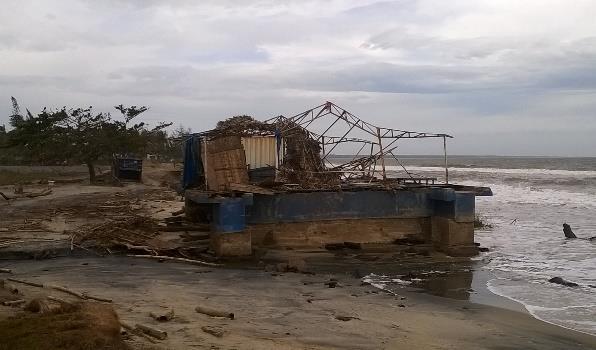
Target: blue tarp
(193, 166)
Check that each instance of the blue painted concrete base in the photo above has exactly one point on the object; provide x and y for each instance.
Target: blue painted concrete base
(452, 212)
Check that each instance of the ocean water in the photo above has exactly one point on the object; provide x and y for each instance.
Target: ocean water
(533, 197)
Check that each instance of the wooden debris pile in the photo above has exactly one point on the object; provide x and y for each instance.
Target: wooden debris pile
(242, 125)
(302, 162)
(27, 225)
(138, 235)
(20, 194)
(130, 232)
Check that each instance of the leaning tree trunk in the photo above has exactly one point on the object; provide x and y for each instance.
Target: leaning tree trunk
(91, 168)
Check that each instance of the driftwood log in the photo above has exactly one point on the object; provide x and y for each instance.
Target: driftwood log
(65, 290)
(161, 317)
(83, 296)
(38, 194)
(178, 212)
(154, 332)
(136, 331)
(163, 257)
(14, 302)
(26, 195)
(5, 271)
(214, 331)
(127, 326)
(92, 297)
(214, 313)
(568, 232)
(346, 318)
(25, 282)
(563, 282)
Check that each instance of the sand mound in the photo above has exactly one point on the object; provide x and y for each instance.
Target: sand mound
(88, 326)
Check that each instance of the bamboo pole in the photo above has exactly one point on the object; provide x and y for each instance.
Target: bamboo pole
(39, 285)
(205, 161)
(381, 155)
(445, 155)
(83, 296)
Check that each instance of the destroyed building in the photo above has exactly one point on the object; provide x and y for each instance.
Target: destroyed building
(277, 184)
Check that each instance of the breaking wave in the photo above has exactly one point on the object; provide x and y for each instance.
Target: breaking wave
(541, 172)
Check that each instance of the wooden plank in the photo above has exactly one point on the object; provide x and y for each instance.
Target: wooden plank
(211, 177)
(230, 168)
(226, 163)
(229, 159)
(250, 189)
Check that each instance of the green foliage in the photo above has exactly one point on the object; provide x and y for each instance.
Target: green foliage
(80, 135)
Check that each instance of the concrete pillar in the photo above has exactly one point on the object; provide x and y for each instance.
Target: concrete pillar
(452, 237)
(231, 243)
(453, 223)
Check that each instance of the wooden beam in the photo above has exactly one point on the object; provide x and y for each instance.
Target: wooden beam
(251, 189)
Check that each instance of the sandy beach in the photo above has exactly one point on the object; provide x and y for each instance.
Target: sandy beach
(292, 310)
(439, 302)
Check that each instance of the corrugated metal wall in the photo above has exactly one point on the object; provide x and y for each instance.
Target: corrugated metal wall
(260, 151)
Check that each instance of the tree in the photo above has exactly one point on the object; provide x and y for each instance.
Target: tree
(95, 137)
(38, 137)
(81, 135)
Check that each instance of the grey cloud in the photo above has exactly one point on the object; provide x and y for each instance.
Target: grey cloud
(514, 62)
(29, 80)
(394, 78)
(196, 62)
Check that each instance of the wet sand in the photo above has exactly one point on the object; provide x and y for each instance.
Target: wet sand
(292, 310)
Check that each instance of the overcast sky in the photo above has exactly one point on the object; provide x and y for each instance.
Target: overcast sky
(506, 77)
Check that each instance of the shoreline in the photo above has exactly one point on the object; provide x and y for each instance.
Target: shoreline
(480, 292)
(533, 314)
(460, 280)
(293, 310)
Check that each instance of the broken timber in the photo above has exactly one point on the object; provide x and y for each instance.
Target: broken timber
(214, 313)
(164, 257)
(250, 189)
(82, 296)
